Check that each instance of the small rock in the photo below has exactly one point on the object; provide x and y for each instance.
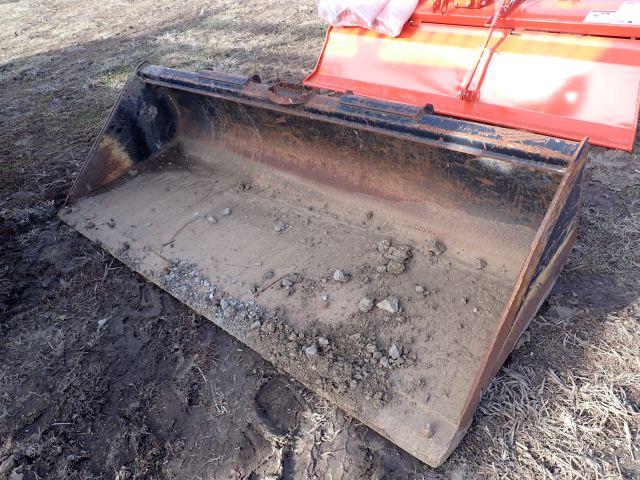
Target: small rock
(400, 253)
(395, 352)
(111, 223)
(89, 225)
(480, 264)
(295, 277)
(340, 276)
(286, 283)
(211, 219)
(268, 274)
(436, 247)
(253, 288)
(255, 325)
(133, 172)
(383, 245)
(464, 300)
(281, 227)
(395, 267)
(323, 342)
(384, 362)
(325, 297)
(103, 322)
(311, 350)
(365, 304)
(381, 269)
(226, 212)
(389, 304)
(368, 216)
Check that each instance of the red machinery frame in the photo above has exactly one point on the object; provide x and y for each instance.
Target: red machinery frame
(547, 67)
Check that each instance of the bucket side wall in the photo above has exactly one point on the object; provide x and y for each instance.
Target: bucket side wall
(141, 124)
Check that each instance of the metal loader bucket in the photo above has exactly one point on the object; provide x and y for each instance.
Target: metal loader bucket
(386, 257)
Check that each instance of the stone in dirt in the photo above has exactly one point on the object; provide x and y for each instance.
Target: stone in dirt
(395, 257)
(384, 362)
(395, 267)
(365, 304)
(255, 325)
(211, 219)
(311, 350)
(280, 227)
(436, 247)
(340, 276)
(399, 253)
(323, 342)
(480, 264)
(389, 304)
(226, 212)
(268, 274)
(383, 245)
(395, 352)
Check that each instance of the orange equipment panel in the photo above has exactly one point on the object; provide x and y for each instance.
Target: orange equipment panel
(560, 84)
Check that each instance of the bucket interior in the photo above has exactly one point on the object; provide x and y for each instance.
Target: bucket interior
(245, 214)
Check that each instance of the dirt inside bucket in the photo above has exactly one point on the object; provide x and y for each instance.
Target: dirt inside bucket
(382, 319)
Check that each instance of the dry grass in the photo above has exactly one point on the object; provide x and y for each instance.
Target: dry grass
(610, 239)
(578, 422)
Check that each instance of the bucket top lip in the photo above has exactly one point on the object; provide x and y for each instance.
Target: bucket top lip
(418, 124)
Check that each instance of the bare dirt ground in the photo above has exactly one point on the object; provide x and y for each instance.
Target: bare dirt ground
(103, 375)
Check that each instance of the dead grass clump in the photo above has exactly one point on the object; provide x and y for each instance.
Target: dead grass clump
(578, 422)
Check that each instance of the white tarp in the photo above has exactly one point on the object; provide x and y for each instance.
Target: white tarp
(384, 16)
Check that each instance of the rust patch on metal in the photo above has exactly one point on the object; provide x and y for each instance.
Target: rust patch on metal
(283, 93)
(108, 163)
(116, 160)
